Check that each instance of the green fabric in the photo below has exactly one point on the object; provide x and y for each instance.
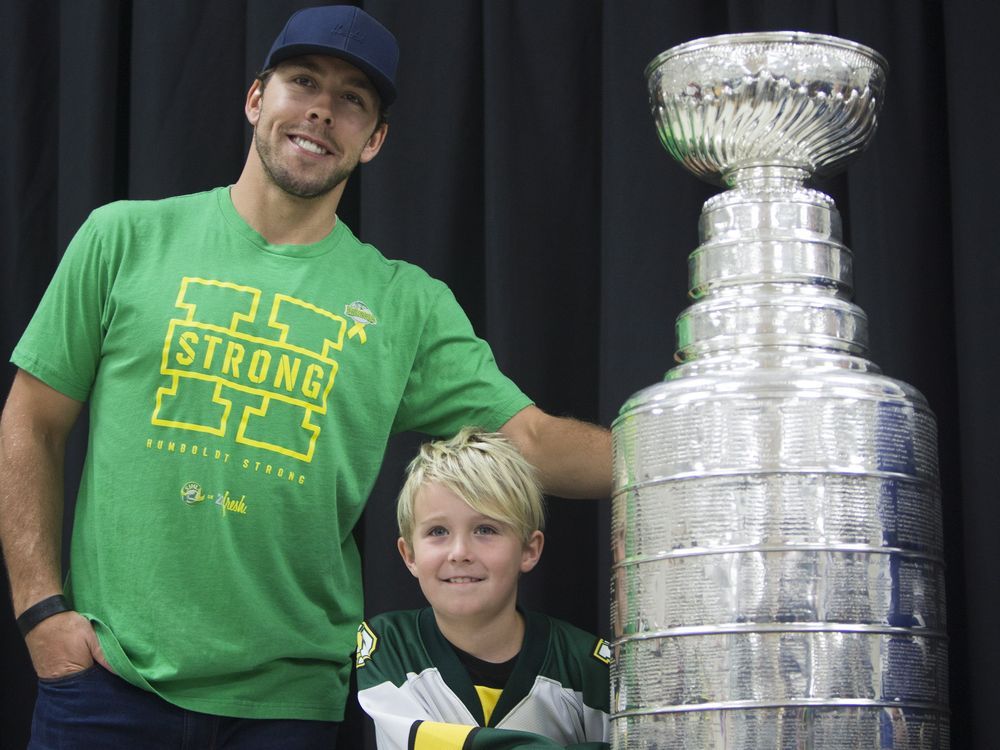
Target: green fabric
(506, 739)
(241, 396)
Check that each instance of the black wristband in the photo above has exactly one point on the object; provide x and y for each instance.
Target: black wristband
(39, 611)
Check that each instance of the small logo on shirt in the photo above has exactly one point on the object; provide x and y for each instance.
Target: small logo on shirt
(359, 312)
(602, 651)
(192, 494)
(367, 643)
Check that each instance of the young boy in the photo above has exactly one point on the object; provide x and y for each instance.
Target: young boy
(473, 670)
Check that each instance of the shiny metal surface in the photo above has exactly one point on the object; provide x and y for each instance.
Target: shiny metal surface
(762, 316)
(727, 263)
(778, 577)
(846, 725)
(730, 102)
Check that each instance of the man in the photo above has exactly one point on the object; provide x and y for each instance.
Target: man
(245, 359)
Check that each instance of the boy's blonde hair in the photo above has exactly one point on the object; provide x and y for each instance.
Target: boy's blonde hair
(483, 468)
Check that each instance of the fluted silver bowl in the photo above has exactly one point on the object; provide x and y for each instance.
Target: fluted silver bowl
(730, 102)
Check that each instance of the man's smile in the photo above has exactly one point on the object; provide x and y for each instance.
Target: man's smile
(307, 145)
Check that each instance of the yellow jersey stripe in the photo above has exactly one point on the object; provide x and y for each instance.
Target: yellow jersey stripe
(435, 735)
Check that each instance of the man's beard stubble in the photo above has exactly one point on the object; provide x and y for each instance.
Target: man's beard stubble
(291, 183)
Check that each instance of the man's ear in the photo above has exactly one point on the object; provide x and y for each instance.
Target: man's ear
(375, 142)
(252, 105)
(407, 554)
(532, 551)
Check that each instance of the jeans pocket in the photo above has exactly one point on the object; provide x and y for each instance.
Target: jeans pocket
(71, 677)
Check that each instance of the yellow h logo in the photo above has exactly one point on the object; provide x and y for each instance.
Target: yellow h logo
(222, 371)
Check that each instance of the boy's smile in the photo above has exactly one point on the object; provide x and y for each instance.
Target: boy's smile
(468, 564)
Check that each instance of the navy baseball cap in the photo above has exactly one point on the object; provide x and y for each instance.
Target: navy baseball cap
(346, 32)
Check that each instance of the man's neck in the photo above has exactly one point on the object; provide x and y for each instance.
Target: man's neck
(280, 218)
(496, 640)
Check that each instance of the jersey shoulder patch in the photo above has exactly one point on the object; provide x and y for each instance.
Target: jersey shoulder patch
(367, 643)
(602, 651)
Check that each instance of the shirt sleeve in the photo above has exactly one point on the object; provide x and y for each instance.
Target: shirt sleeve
(455, 380)
(395, 713)
(62, 344)
(382, 689)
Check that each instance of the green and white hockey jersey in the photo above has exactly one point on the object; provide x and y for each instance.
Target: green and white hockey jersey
(421, 697)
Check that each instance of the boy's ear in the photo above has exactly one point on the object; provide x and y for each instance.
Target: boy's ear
(407, 554)
(532, 551)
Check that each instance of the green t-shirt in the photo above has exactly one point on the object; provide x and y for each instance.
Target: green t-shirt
(241, 396)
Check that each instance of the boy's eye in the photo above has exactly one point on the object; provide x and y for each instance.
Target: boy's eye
(302, 80)
(437, 531)
(486, 529)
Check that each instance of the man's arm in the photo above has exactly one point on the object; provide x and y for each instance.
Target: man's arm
(33, 430)
(573, 458)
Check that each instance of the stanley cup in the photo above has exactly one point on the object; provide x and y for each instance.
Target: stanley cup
(778, 577)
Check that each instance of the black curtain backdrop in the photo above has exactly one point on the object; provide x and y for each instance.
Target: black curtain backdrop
(522, 167)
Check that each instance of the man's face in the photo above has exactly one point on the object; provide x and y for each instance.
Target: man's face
(468, 564)
(314, 122)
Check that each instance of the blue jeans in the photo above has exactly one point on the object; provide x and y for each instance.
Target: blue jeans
(94, 709)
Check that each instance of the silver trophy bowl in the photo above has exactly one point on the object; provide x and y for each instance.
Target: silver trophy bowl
(805, 101)
(778, 577)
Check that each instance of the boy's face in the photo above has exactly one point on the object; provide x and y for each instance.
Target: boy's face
(467, 563)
